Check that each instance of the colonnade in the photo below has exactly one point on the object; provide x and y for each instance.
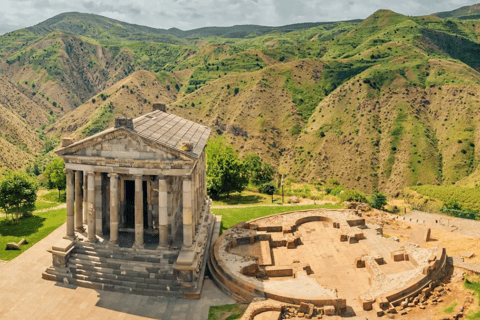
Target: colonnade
(84, 201)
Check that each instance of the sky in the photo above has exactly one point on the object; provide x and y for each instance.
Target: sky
(191, 14)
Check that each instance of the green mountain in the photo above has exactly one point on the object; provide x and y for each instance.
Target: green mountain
(387, 102)
(461, 13)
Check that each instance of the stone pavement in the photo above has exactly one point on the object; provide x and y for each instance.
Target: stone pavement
(25, 295)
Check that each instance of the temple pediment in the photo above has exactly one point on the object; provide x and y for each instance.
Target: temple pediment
(154, 136)
(121, 143)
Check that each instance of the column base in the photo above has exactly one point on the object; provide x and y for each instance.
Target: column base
(72, 238)
(80, 229)
(94, 240)
(112, 244)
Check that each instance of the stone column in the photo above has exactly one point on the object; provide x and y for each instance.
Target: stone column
(98, 203)
(70, 206)
(187, 212)
(113, 209)
(163, 211)
(91, 207)
(149, 203)
(78, 202)
(138, 211)
(85, 198)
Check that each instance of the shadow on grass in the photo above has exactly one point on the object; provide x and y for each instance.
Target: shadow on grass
(240, 199)
(26, 226)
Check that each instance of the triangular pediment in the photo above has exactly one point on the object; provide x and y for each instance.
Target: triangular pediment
(121, 143)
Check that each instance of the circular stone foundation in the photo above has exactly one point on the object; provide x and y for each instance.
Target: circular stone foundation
(328, 258)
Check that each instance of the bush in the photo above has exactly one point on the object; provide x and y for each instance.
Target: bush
(18, 193)
(336, 191)
(267, 188)
(378, 201)
(452, 204)
(353, 196)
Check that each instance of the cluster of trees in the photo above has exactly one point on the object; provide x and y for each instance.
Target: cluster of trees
(227, 173)
(18, 189)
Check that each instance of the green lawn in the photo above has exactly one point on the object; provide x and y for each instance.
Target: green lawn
(40, 205)
(226, 311)
(52, 196)
(33, 228)
(232, 216)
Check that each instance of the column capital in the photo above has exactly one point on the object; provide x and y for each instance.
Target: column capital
(186, 178)
(68, 171)
(97, 173)
(138, 176)
(113, 175)
(162, 177)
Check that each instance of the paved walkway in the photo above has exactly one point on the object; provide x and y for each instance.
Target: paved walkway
(25, 295)
(305, 203)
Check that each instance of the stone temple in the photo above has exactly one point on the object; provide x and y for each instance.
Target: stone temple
(138, 216)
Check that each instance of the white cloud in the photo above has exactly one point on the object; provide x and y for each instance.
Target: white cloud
(190, 14)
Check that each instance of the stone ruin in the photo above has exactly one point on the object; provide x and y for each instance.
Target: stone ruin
(316, 263)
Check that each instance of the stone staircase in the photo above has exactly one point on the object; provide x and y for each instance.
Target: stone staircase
(145, 272)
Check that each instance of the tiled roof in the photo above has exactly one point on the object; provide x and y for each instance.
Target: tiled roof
(171, 130)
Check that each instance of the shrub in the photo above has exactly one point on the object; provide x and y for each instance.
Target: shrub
(336, 191)
(18, 193)
(267, 188)
(354, 196)
(452, 204)
(378, 201)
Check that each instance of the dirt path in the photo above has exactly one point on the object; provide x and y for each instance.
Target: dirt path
(61, 206)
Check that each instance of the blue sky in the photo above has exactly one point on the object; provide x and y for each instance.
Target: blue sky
(191, 14)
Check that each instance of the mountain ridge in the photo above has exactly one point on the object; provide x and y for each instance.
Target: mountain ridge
(379, 104)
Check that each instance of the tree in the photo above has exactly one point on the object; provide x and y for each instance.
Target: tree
(453, 204)
(54, 172)
(225, 171)
(378, 200)
(18, 193)
(258, 171)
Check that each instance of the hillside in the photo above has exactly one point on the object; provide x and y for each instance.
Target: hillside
(130, 97)
(462, 12)
(388, 102)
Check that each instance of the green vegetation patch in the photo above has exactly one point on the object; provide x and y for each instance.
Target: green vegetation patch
(450, 308)
(99, 121)
(33, 228)
(232, 216)
(475, 286)
(226, 311)
(468, 198)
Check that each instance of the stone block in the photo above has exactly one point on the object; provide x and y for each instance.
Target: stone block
(468, 255)
(359, 262)
(329, 310)
(279, 271)
(398, 255)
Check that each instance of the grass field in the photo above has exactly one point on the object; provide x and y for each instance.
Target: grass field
(33, 228)
(232, 216)
(227, 311)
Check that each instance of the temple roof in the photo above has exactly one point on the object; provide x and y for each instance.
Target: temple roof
(171, 131)
(163, 128)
